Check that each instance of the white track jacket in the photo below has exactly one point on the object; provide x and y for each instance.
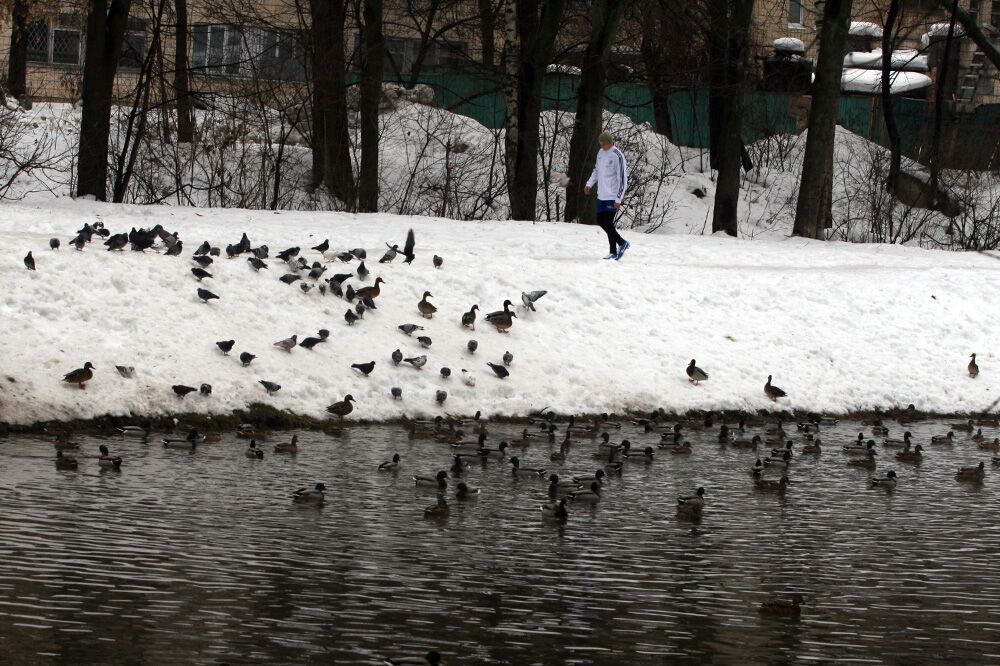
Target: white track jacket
(609, 174)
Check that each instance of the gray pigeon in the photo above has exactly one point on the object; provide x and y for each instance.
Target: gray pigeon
(529, 298)
(472, 346)
(500, 371)
(397, 392)
(256, 263)
(397, 357)
(289, 278)
(270, 387)
(390, 254)
(508, 358)
(440, 397)
(288, 343)
(417, 361)
(204, 248)
(424, 341)
(362, 271)
(306, 288)
(360, 253)
(410, 328)
(350, 317)
(126, 371)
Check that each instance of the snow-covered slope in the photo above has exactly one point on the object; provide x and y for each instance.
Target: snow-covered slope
(841, 327)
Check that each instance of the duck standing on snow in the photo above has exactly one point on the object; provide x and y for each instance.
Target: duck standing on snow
(80, 376)
(695, 374)
(973, 366)
(773, 392)
(342, 408)
(425, 308)
(502, 320)
(469, 318)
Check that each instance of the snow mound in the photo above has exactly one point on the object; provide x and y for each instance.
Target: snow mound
(841, 327)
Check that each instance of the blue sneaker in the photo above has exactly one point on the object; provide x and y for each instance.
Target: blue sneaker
(612, 256)
(621, 251)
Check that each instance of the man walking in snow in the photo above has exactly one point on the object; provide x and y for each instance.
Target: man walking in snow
(609, 175)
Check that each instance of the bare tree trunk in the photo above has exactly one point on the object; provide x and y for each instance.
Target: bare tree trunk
(941, 80)
(538, 23)
(605, 16)
(652, 48)
(730, 42)
(427, 40)
(486, 37)
(813, 210)
(182, 90)
(330, 132)
(888, 114)
(105, 32)
(371, 93)
(139, 114)
(17, 62)
(512, 65)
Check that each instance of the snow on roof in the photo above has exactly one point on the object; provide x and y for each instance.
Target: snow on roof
(865, 29)
(908, 59)
(568, 70)
(869, 81)
(940, 31)
(789, 44)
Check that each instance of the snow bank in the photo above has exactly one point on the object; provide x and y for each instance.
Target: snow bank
(841, 327)
(869, 81)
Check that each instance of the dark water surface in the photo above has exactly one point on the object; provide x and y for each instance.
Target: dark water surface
(184, 558)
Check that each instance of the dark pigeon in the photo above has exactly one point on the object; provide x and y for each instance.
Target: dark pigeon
(204, 248)
(205, 295)
(323, 247)
(256, 263)
(289, 278)
(226, 346)
(350, 317)
(53, 243)
(364, 368)
(29, 262)
(200, 273)
(397, 357)
(438, 261)
(499, 370)
(246, 358)
(181, 390)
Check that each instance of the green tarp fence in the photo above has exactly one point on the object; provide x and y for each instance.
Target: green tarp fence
(766, 114)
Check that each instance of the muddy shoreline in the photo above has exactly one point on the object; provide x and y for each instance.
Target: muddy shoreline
(264, 416)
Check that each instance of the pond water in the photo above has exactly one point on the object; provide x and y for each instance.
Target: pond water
(204, 558)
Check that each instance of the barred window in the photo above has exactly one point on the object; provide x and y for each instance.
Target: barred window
(66, 46)
(237, 51)
(38, 41)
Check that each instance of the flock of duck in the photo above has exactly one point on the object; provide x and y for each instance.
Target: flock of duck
(308, 276)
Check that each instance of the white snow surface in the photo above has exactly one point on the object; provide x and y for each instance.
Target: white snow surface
(790, 44)
(865, 29)
(902, 59)
(869, 81)
(841, 327)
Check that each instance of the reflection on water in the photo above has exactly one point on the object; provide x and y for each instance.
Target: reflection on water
(204, 558)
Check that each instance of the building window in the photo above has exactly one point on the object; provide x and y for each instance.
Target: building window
(237, 51)
(38, 41)
(401, 54)
(796, 13)
(56, 44)
(134, 45)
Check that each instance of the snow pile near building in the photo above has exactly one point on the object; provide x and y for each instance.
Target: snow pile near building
(841, 327)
